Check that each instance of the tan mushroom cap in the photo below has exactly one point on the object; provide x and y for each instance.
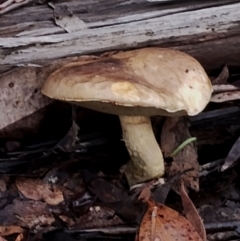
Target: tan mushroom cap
(148, 81)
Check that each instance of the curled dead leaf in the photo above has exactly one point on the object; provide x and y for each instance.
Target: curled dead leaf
(20, 237)
(163, 223)
(145, 194)
(9, 230)
(232, 156)
(192, 213)
(39, 190)
(223, 76)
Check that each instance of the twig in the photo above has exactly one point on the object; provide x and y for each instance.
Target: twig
(108, 231)
(229, 225)
(210, 227)
(210, 167)
(211, 164)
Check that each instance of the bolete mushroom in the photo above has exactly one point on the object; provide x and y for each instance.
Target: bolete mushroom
(135, 85)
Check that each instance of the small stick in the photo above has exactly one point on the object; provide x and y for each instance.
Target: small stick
(210, 227)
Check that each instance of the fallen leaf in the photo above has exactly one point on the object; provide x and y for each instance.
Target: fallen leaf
(104, 190)
(111, 196)
(28, 214)
(145, 194)
(163, 223)
(175, 132)
(39, 190)
(192, 214)
(65, 19)
(232, 156)
(71, 23)
(9, 230)
(161, 192)
(20, 237)
(223, 76)
(223, 92)
(103, 217)
(224, 88)
(67, 143)
(225, 96)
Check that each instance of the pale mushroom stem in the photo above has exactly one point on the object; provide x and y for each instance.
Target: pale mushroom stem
(146, 157)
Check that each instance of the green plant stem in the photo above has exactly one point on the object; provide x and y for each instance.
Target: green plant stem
(180, 147)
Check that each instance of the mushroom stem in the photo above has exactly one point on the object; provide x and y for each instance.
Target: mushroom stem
(146, 157)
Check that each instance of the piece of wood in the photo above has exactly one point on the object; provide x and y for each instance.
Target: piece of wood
(208, 30)
(20, 97)
(34, 37)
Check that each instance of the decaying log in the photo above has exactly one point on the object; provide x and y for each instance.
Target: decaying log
(208, 30)
(34, 36)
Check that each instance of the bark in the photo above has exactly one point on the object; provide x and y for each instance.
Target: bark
(35, 36)
(208, 30)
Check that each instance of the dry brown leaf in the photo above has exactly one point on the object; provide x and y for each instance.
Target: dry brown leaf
(40, 190)
(223, 76)
(9, 230)
(192, 213)
(104, 217)
(232, 156)
(174, 132)
(163, 223)
(20, 237)
(104, 190)
(145, 194)
(28, 214)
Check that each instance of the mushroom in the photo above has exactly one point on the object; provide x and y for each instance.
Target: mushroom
(135, 85)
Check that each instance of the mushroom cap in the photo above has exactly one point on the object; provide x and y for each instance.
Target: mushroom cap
(148, 81)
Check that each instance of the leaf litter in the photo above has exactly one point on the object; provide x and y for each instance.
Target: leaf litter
(224, 91)
(39, 190)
